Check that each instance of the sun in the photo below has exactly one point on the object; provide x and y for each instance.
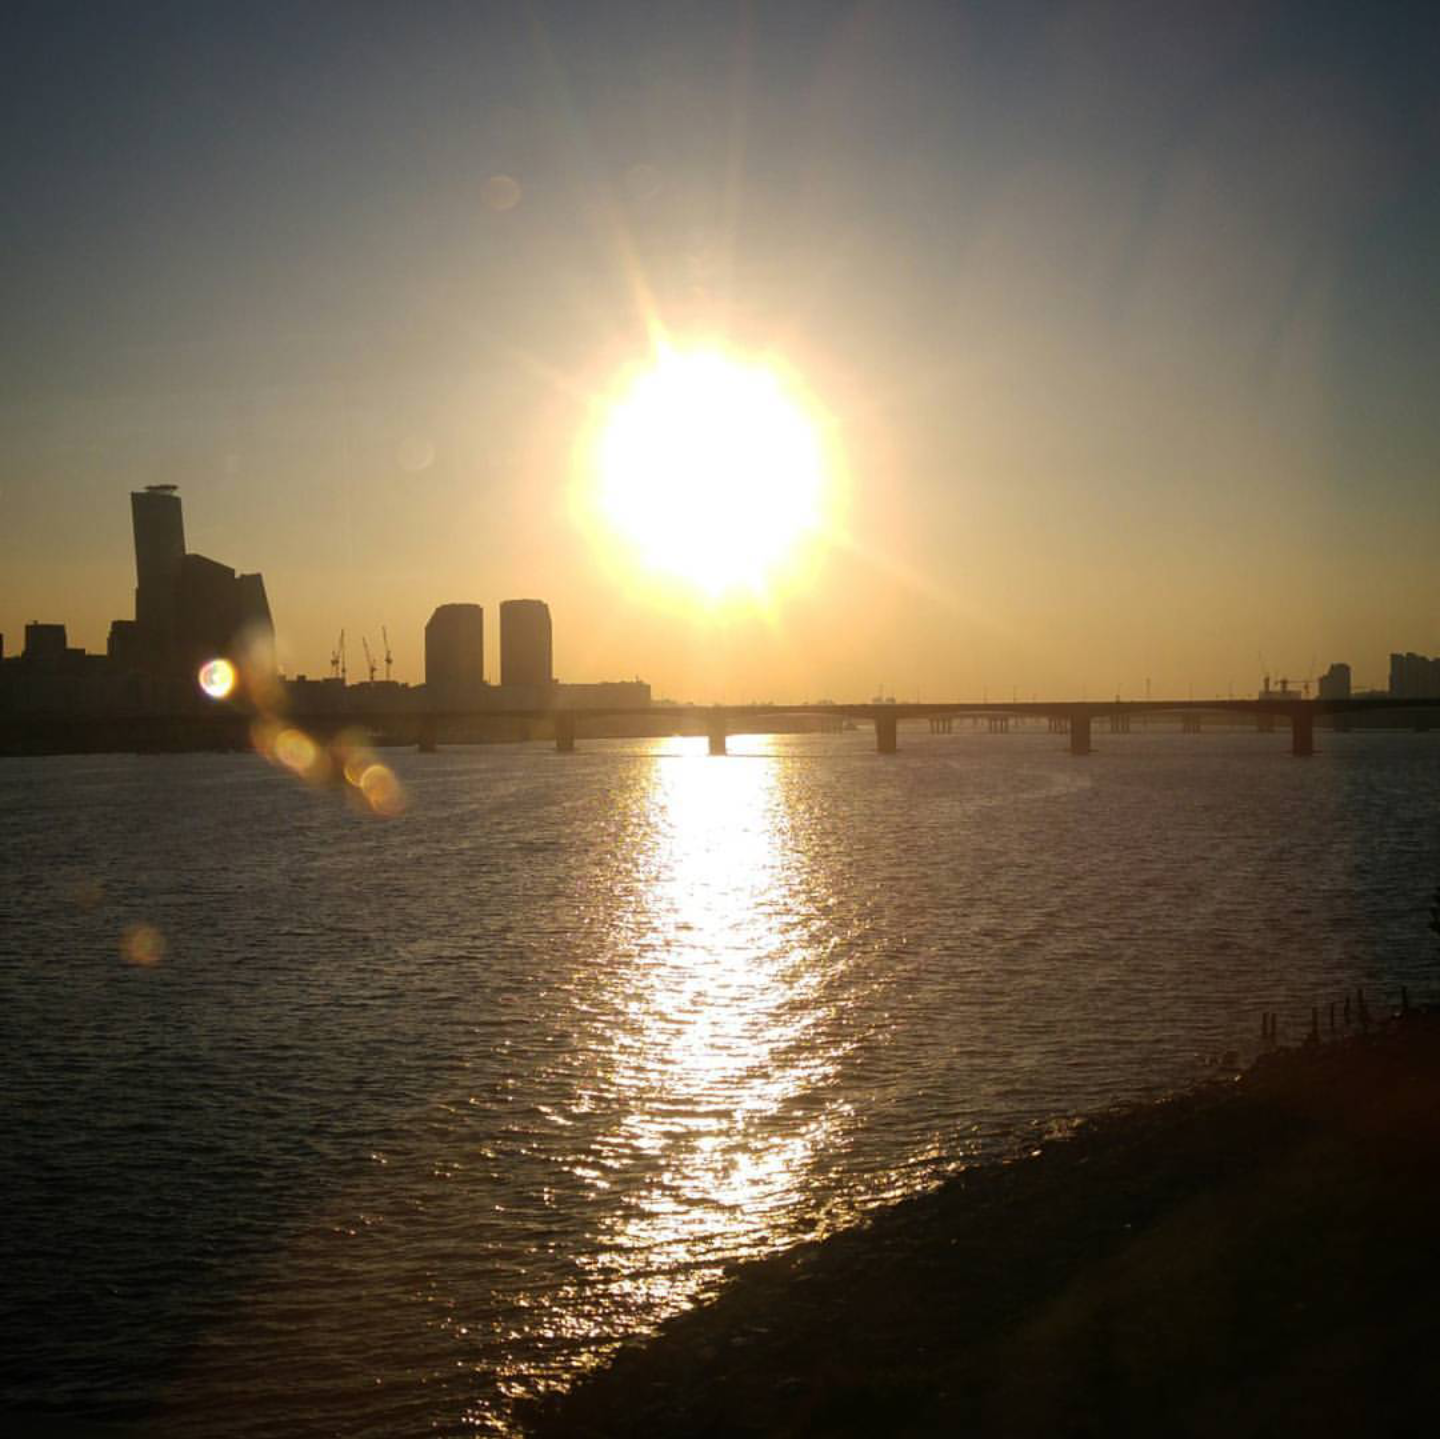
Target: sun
(710, 471)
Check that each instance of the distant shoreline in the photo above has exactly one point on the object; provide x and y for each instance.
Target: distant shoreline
(1248, 1257)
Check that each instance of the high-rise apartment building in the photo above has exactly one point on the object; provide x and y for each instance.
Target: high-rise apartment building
(1334, 684)
(525, 644)
(1414, 677)
(455, 653)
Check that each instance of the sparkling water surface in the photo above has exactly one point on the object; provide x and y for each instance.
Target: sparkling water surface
(320, 1124)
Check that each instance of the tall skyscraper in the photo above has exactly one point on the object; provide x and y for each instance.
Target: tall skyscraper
(188, 609)
(455, 653)
(159, 555)
(525, 648)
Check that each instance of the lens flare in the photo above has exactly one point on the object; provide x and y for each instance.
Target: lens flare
(353, 754)
(142, 945)
(259, 675)
(217, 678)
(382, 790)
(294, 749)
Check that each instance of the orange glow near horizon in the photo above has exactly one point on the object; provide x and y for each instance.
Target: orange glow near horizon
(709, 475)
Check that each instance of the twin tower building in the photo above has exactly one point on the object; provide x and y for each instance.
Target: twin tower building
(455, 656)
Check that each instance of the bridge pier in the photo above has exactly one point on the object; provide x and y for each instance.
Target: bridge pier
(1302, 733)
(1189, 724)
(426, 742)
(1080, 734)
(1119, 724)
(886, 734)
(564, 732)
(716, 732)
(999, 724)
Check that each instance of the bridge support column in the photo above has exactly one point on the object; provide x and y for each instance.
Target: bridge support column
(1190, 724)
(426, 742)
(1080, 734)
(564, 733)
(1302, 733)
(716, 732)
(886, 736)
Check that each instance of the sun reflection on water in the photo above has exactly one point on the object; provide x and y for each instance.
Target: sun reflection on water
(710, 1058)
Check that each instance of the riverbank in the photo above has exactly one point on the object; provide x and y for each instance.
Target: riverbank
(1257, 1256)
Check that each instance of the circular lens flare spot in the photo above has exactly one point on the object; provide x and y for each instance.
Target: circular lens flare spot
(382, 790)
(217, 678)
(142, 945)
(294, 749)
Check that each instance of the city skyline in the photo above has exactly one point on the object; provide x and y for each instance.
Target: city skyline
(1110, 329)
(206, 618)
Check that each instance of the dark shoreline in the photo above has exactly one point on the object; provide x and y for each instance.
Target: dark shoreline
(1258, 1255)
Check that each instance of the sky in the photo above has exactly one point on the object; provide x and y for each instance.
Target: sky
(1117, 323)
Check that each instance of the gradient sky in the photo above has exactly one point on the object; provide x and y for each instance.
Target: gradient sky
(1123, 316)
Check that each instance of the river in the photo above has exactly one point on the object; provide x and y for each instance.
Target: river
(318, 1123)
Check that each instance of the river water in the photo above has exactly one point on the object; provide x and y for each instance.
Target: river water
(379, 1124)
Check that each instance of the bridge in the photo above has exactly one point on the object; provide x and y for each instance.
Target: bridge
(226, 725)
(1073, 718)
(1076, 719)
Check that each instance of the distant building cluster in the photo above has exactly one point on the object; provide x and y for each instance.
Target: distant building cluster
(1414, 677)
(190, 609)
(455, 664)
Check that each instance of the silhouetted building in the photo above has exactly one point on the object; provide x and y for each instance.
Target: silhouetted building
(159, 553)
(188, 609)
(1334, 684)
(44, 645)
(525, 644)
(1414, 677)
(455, 654)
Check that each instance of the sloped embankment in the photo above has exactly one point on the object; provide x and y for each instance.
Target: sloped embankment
(1256, 1257)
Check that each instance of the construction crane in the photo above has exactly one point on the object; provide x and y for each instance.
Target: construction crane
(385, 636)
(337, 659)
(369, 658)
(1285, 687)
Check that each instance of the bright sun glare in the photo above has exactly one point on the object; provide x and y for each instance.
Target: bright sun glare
(710, 471)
